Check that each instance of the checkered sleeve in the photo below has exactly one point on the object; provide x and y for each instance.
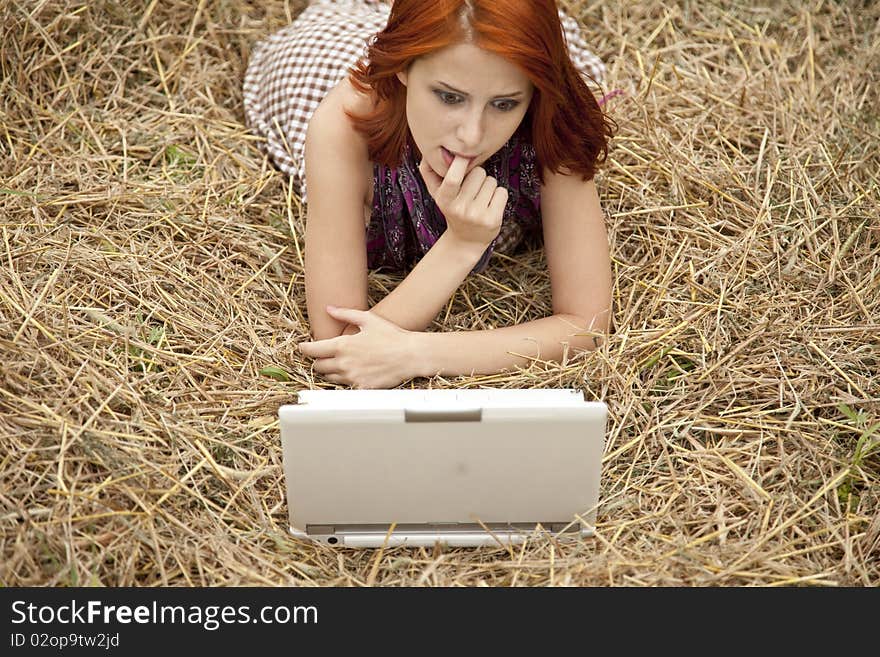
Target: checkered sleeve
(583, 59)
(291, 71)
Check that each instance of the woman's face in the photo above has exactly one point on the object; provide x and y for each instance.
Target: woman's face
(465, 101)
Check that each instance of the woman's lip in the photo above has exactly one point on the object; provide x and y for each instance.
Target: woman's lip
(449, 156)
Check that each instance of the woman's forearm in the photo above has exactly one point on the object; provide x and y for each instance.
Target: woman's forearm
(496, 350)
(415, 302)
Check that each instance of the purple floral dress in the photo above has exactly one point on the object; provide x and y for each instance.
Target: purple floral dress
(406, 222)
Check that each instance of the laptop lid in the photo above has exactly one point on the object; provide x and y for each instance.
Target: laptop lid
(462, 467)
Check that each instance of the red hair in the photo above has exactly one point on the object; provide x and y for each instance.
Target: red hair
(564, 122)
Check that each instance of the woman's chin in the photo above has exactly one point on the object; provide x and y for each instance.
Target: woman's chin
(440, 172)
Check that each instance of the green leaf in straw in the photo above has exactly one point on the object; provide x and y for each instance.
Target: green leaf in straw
(275, 372)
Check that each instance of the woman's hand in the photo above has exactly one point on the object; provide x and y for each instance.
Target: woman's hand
(473, 205)
(380, 355)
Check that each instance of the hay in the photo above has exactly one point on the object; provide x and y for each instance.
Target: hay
(151, 268)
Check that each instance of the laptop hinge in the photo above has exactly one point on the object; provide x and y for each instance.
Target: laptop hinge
(327, 530)
(320, 529)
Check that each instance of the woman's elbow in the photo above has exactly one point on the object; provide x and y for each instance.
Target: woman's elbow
(591, 329)
(329, 331)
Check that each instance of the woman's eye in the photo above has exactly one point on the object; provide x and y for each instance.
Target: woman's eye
(446, 97)
(506, 105)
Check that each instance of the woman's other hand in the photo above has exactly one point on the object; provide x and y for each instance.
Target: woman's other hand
(380, 355)
(473, 204)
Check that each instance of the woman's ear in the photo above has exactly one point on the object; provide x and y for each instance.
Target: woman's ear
(402, 76)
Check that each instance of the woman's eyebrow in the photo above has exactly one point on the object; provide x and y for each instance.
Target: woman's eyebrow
(513, 94)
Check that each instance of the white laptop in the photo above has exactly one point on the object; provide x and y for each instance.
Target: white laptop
(367, 468)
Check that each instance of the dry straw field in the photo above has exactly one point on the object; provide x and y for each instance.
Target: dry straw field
(151, 271)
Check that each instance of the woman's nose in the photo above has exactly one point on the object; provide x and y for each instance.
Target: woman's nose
(470, 130)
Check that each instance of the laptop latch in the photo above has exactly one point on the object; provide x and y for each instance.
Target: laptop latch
(444, 415)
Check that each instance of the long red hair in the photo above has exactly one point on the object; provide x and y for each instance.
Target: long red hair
(564, 122)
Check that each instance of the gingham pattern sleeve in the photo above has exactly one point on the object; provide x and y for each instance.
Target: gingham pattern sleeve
(289, 72)
(581, 56)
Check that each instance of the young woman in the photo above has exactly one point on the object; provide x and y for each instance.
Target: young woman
(466, 126)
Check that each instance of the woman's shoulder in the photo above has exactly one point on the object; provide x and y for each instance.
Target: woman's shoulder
(330, 120)
(333, 148)
(341, 98)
